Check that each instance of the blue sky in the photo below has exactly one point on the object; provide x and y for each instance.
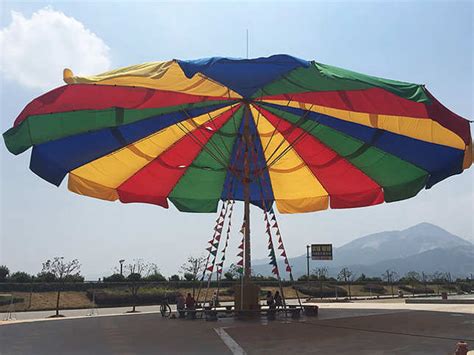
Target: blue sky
(423, 42)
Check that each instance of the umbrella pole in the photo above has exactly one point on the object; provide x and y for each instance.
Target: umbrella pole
(249, 292)
(246, 183)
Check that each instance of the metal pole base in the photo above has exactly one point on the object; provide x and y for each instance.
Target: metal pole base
(247, 305)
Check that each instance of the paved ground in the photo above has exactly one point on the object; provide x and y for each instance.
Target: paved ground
(360, 328)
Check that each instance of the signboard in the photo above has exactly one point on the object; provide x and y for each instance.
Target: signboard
(321, 251)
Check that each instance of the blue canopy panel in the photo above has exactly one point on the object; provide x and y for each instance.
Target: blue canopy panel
(244, 76)
(260, 185)
(53, 160)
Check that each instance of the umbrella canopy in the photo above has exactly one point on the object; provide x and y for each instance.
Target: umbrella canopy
(302, 134)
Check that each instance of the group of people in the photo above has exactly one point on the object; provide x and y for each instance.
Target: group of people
(183, 304)
(274, 301)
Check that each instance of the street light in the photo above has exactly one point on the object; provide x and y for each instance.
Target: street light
(307, 262)
(121, 266)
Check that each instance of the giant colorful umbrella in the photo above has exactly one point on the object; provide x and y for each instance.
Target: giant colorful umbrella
(300, 134)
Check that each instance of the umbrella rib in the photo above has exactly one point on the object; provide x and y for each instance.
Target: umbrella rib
(274, 131)
(201, 144)
(300, 137)
(293, 127)
(218, 151)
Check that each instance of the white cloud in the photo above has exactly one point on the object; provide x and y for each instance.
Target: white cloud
(36, 50)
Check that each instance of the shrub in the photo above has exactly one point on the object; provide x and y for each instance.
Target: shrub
(375, 288)
(6, 300)
(109, 297)
(155, 277)
(19, 276)
(417, 289)
(315, 290)
(114, 278)
(465, 287)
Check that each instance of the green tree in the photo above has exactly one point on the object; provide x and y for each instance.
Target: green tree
(114, 278)
(413, 279)
(174, 277)
(136, 270)
(61, 269)
(4, 272)
(321, 274)
(20, 276)
(192, 268)
(390, 277)
(346, 276)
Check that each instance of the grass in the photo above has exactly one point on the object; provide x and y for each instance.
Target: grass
(79, 300)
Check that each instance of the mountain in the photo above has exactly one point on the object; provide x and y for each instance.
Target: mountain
(423, 247)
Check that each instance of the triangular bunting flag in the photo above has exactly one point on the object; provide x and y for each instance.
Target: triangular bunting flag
(275, 270)
(218, 237)
(241, 254)
(281, 247)
(286, 261)
(288, 268)
(210, 268)
(240, 262)
(216, 245)
(209, 249)
(283, 254)
(275, 225)
(213, 252)
(241, 246)
(273, 217)
(219, 271)
(211, 241)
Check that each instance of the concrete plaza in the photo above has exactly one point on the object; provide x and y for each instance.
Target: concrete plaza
(350, 328)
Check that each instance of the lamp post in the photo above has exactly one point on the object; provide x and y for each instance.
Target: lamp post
(121, 261)
(307, 261)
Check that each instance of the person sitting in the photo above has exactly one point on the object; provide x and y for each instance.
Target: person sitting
(190, 307)
(270, 300)
(180, 304)
(278, 300)
(215, 300)
(190, 302)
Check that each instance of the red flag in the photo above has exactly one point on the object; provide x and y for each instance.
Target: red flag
(288, 268)
(241, 246)
(218, 237)
(275, 270)
(219, 271)
(283, 254)
(281, 247)
(209, 268)
(211, 241)
(240, 262)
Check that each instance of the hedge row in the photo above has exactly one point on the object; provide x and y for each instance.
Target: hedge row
(416, 289)
(327, 290)
(103, 298)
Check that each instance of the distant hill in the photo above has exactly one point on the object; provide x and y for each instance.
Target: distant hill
(424, 247)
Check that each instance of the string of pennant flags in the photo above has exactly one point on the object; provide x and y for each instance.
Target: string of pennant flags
(213, 263)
